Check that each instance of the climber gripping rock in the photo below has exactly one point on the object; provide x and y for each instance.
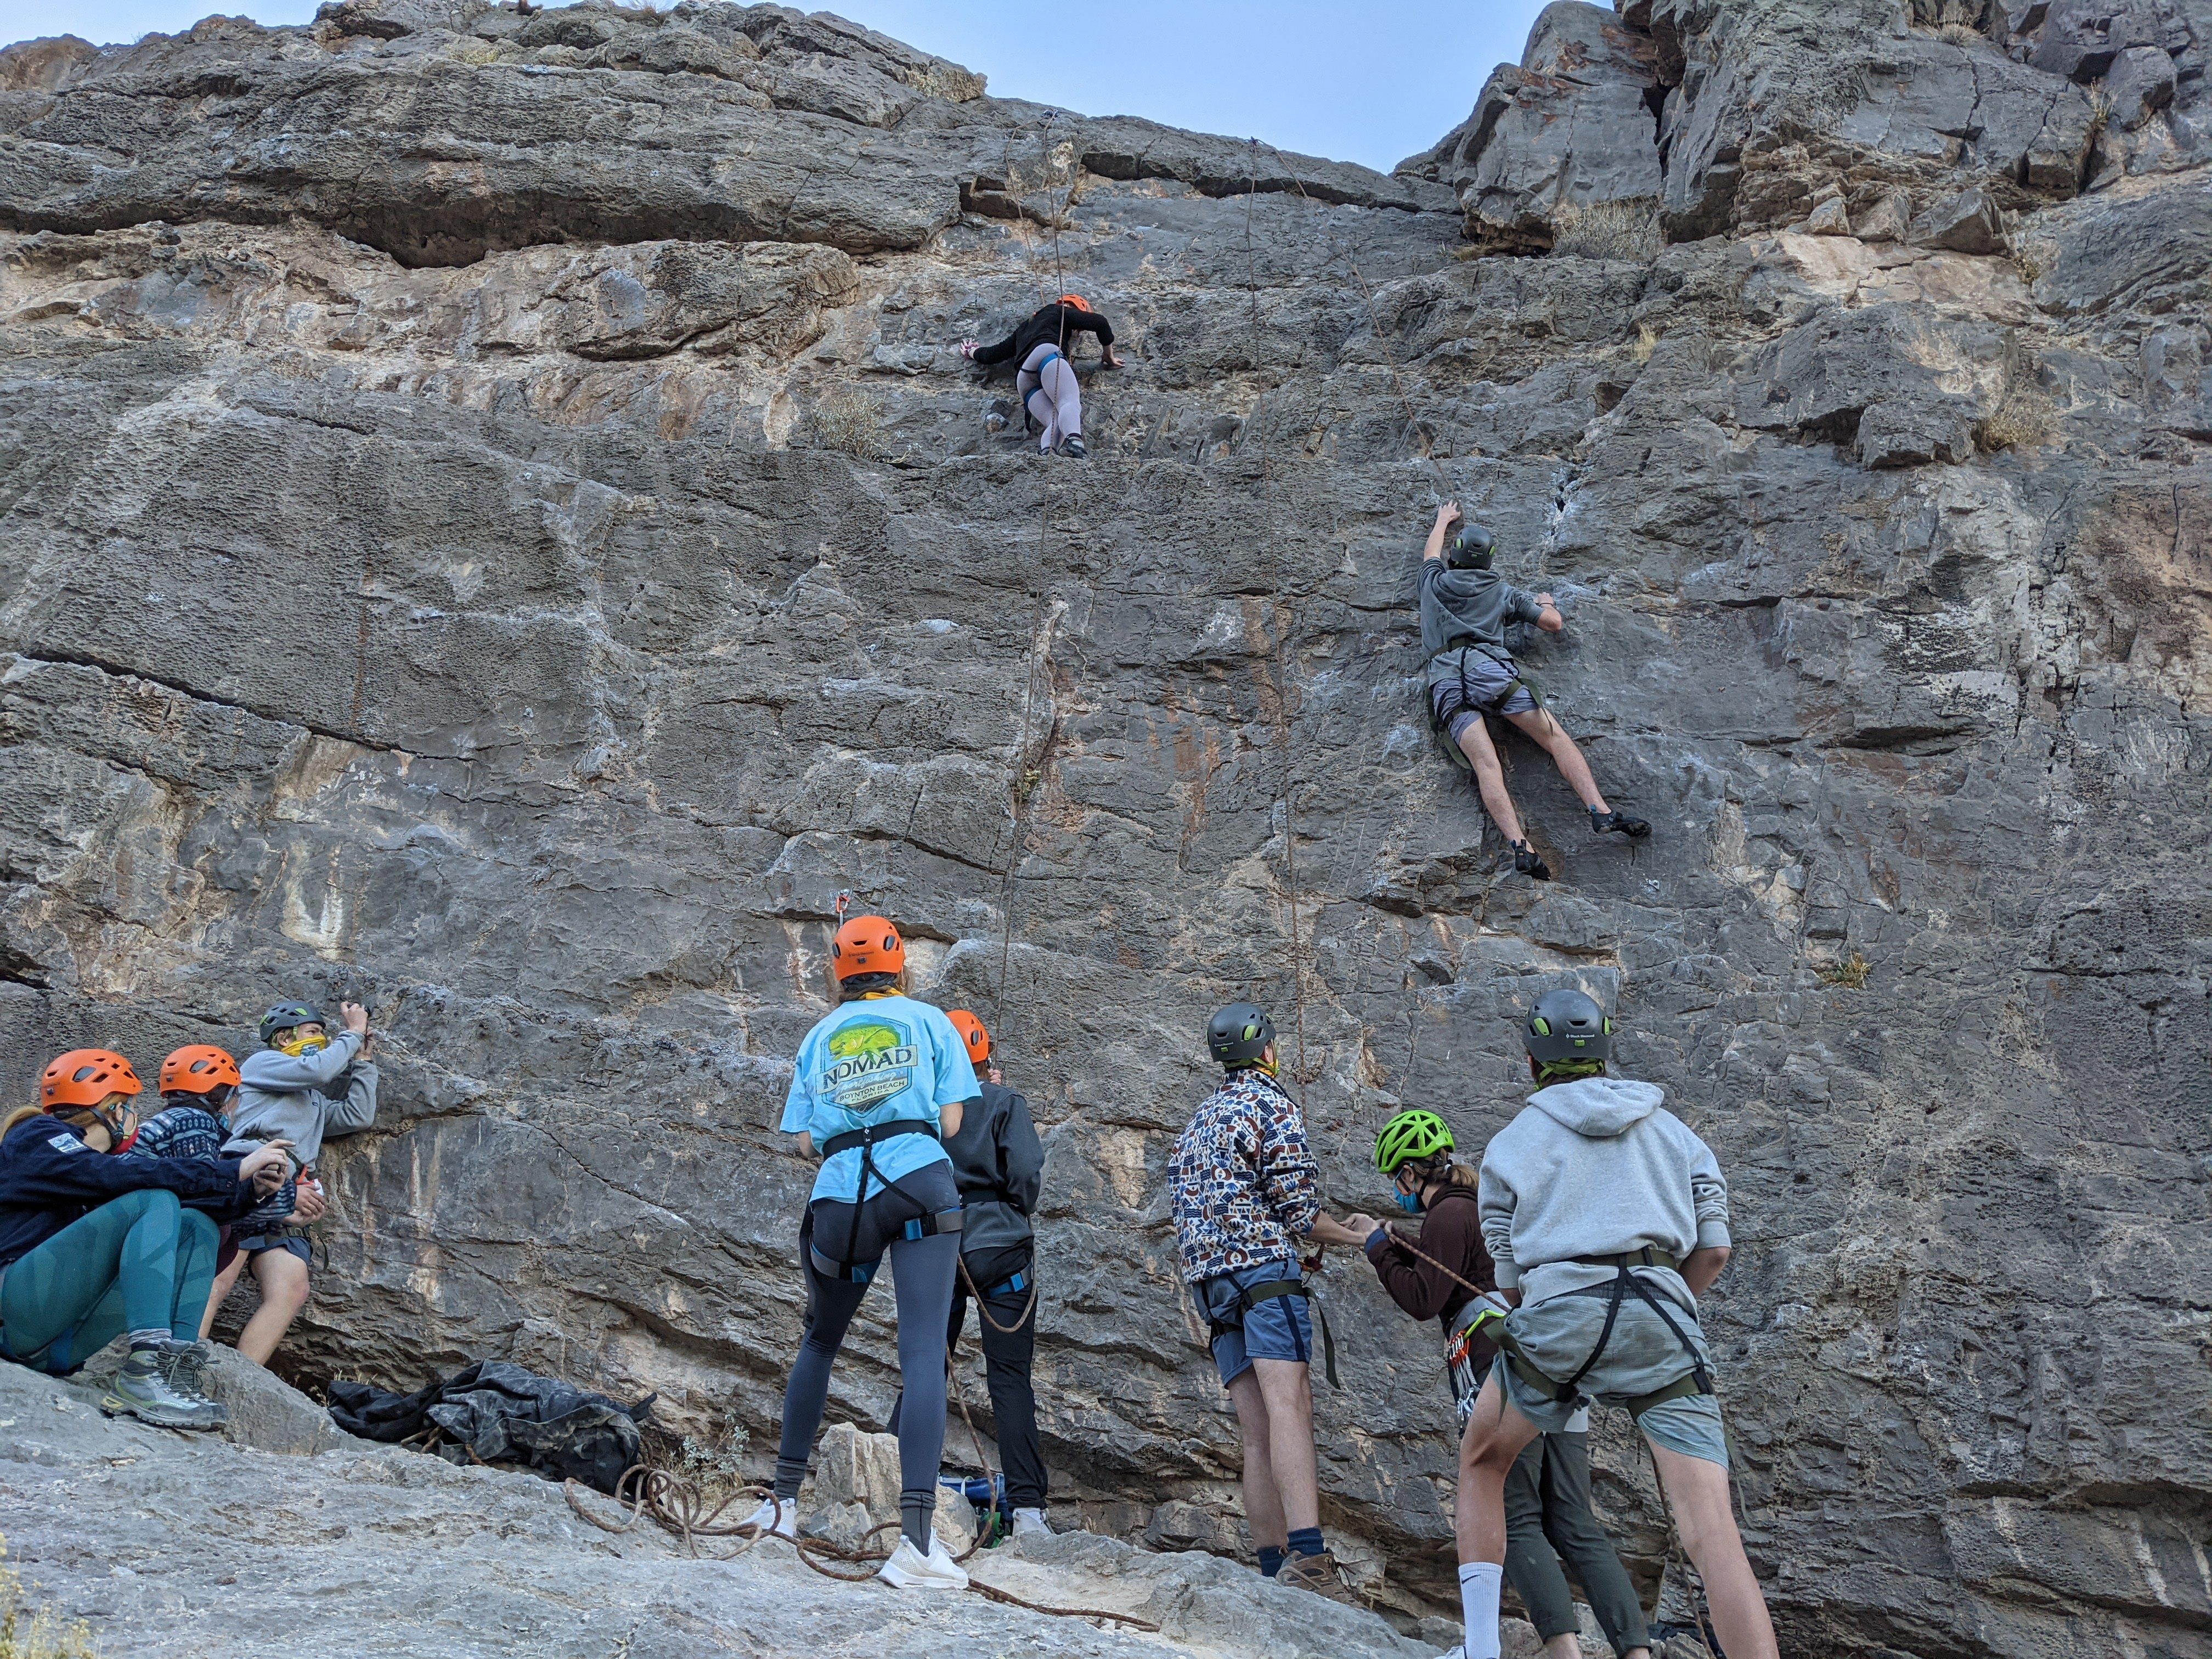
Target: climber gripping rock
(1606, 1217)
(1245, 1192)
(1465, 608)
(1046, 378)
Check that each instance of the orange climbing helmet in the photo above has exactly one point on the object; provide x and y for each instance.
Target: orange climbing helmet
(85, 1077)
(1075, 301)
(972, 1034)
(198, 1068)
(867, 945)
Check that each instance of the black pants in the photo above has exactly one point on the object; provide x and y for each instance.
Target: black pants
(1547, 1510)
(1008, 1357)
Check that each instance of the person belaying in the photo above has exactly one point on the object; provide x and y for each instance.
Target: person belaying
(1606, 1217)
(93, 1245)
(1046, 378)
(999, 1165)
(1465, 608)
(1245, 1192)
(197, 1084)
(1548, 1494)
(304, 1085)
(881, 1083)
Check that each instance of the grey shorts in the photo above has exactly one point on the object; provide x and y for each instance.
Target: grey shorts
(1486, 681)
(1558, 1333)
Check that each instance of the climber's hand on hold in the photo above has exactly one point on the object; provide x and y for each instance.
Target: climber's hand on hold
(1110, 361)
(1447, 516)
(1549, 619)
(968, 347)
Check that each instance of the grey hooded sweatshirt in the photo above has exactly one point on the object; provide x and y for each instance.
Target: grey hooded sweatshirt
(1596, 1167)
(305, 1099)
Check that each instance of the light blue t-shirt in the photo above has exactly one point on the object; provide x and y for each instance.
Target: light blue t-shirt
(873, 1061)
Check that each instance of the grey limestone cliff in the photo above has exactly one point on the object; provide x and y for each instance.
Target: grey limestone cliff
(496, 526)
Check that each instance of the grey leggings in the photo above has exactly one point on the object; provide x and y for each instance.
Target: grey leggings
(1547, 1517)
(922, 1271)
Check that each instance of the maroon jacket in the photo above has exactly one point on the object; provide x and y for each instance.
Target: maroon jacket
(1451, 1232)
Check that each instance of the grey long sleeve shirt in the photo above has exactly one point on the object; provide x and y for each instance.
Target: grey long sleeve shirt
(329, 1092)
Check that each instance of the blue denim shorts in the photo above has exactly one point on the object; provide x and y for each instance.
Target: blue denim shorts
(1278, 1329)
(1642, 1355)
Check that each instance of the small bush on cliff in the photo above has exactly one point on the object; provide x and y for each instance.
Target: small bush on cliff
(852, 422)
(1608, 230)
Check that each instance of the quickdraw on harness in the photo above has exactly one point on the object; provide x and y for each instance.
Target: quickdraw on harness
(867, 1140)
(1521, 681)
(1700, 1381)
(1247, 1300)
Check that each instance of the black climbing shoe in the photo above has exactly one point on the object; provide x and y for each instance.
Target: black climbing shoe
(1072, 448)
(1634, 829)
(1528, 862)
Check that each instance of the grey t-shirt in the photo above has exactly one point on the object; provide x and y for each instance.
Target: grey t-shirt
(1463, 606)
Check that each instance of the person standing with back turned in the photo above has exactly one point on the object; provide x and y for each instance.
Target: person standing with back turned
(880, 1082)
(1245, 1192)
(1606, 1217)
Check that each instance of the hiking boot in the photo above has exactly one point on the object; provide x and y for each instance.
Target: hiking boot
(181, 1365)
(1316, 1573)
(774, 1520)
(909, 1569)
(1528, 862)
(1602, 822)
(142, 1389)
(1072, 448)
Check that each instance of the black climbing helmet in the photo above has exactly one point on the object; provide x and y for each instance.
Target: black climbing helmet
(285, 1015)
(1239, 1034)
(1565, 1024)
(1471, 547)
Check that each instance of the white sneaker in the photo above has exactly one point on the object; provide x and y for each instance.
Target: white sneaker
(779, 1520)
(1029, 1521)
(909, 1569)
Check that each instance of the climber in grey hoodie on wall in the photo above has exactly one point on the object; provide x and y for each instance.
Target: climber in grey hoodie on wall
(1606, 1217)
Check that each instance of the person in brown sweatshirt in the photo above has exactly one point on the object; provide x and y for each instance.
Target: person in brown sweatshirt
(1548, 1495)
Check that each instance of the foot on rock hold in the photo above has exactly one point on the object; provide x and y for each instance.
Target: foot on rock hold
(1072, 448)
(1316, 1573)
(1635, 827)
(1528, 862)
(909, 1569)
(142, 1389)
(780, 1520)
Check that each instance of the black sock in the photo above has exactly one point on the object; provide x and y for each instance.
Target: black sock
(914, 1522)
(1271, 1559)
(1306, 1540)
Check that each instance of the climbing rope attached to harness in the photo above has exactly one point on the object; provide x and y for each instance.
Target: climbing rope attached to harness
(983, 1311)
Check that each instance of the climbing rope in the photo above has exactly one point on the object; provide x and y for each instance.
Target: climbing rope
(983, 1311)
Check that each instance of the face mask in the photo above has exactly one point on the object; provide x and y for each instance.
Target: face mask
(296, 1046)
(1410, 1203)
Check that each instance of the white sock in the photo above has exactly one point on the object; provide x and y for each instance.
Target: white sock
(1479, 1584)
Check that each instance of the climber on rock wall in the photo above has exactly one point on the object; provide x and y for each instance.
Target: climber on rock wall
(304, 1085)
(1548, 1494)
(881, 1083)
(1047, 379)
(1245, 1193)
(1606, 1216)
(93, 1245)
(1465, 607)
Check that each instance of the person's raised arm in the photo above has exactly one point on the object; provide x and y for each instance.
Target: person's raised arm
(988, 355)
(1447, 516)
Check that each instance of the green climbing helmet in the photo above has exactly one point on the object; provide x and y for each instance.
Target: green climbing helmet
(1410, 1136)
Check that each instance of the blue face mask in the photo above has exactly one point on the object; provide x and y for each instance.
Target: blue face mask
(1410, 1203)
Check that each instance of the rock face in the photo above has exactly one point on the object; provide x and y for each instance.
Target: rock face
(496, 526)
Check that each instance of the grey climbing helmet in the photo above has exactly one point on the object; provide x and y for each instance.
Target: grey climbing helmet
(1565, 1024)
(1239, 1034)
(1471, 547)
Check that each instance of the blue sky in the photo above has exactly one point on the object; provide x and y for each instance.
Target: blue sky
(1374, 83)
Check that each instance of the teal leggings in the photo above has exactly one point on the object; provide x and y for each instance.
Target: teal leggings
(140, 1262)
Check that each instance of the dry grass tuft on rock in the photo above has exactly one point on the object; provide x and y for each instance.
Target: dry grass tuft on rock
(2025, 416)
(852, 422)
(1609, 230)
(29, 1632)
(1848, 972)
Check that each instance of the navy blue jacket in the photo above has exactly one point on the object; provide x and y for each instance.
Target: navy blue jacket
(49, 1178)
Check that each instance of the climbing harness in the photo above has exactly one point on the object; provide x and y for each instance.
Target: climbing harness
(1013, 1286)
(867, 1140)
(1700, 1381)
(1249, 1299)
(1440, 725)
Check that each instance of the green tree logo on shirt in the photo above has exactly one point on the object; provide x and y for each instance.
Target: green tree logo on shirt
(870, 1060)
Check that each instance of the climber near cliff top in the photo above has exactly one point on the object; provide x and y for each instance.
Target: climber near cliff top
(1606, 1217)
(1045, 379)
(1547, 1496)
(1245, 1192)
(93, 1245)
(881, 1083)
(1465, 606)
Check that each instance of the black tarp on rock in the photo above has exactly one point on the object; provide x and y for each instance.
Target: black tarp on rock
(503, 1413)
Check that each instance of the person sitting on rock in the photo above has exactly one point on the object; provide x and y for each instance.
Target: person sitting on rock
(1045, 379)
(881, 1083)
(1465, 608)
(306, 1086)
(93, 1245)
(999, 1165)
(1547, 1496)
(1606, 1217)
(197, 1084)
(1245, 1193)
